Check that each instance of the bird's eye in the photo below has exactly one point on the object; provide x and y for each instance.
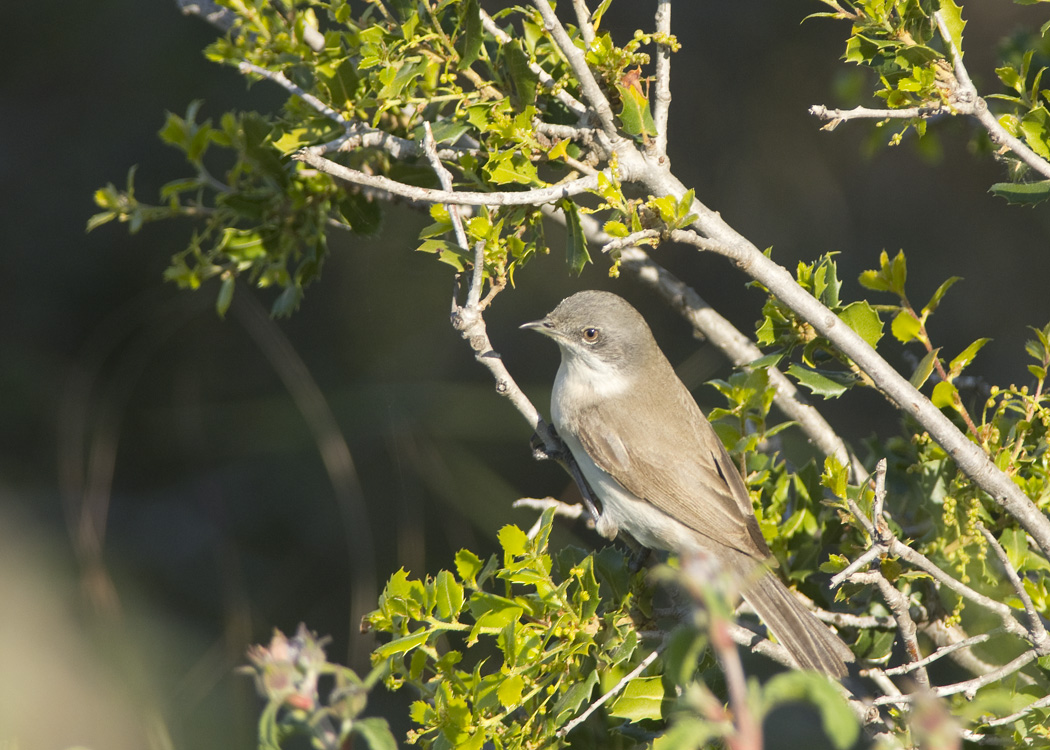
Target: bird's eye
(590, 335)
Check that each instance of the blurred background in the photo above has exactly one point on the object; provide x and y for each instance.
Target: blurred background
(174, 486)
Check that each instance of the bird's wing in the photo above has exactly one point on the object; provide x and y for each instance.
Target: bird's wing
(686, 473)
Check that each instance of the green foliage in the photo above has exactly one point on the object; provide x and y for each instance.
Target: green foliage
(509, 651)
(823, 369)
(265, 218)
(900, 41)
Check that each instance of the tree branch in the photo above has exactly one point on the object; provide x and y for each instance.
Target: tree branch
(1036, 630)
(619, 686)
(281, 80)
(571, 102)
(464, 198)
(662, 97)
(967, 101)
(714, 235)
(591, 91)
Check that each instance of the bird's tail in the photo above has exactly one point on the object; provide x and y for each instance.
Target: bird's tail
(809, 641)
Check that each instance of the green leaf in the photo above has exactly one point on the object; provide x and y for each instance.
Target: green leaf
(838, 721)
(944, 395)
(447, 252)
(568, 705)
(823, 382)
(287, 302)
(513, 540)
(640, 699)
(525, 80)
(376, 733)
(922, 372)
(469, 44)
(509, 690)
(449, 595)
(874, 280)
(898, 273)
(222, 302)
(468, 565)
(401, 645)
(952, 14)
(966, 357)
(1022, 193)
(935, 300)
(636, 118)
(1015, 543)
(905, 326)
(576, 245)
(862, 318)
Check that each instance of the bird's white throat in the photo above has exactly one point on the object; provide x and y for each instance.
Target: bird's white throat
(584, 378)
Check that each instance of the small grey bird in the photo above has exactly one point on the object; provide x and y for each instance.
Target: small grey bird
(657, 466)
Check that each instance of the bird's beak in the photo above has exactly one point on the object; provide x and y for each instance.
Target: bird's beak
(540, 326)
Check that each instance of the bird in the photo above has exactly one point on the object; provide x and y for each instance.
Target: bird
(658, 468)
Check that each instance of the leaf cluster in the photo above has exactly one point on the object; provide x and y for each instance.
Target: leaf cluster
(363, 79)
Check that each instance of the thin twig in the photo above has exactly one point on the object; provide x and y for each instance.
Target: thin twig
(944, 651)
(281, 80)
(838, 116)
(1036, 630)
(748, 735)
(592, 92)
(1041, 703)
(445, 178)
(612, 693)
(532, 197)
(662, 96)
(571, 102)
(966, 100)
(571, 511)
(968, 687)
(906, 629)
(583, 20)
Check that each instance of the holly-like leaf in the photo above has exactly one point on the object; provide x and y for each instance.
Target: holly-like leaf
(862, 318)
(640, 699)
(1022, 193)
(822, 382)
(576, 254)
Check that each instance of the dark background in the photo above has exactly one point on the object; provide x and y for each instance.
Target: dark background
(215, 517)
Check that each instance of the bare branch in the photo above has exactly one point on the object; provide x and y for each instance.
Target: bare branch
(944, 651)
(605, 698)
(966, 100)
(968, 687)
(718, 237)
(445, 178)
(571, 102)
(583, 20)
(838, 116)
(1041, 703)
(748, 730)
(213, 13)
(574, 56)
(1036, 630)
(898, 604)
(281, 80)
(662, 97)
(963, 99)
(427, 195)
